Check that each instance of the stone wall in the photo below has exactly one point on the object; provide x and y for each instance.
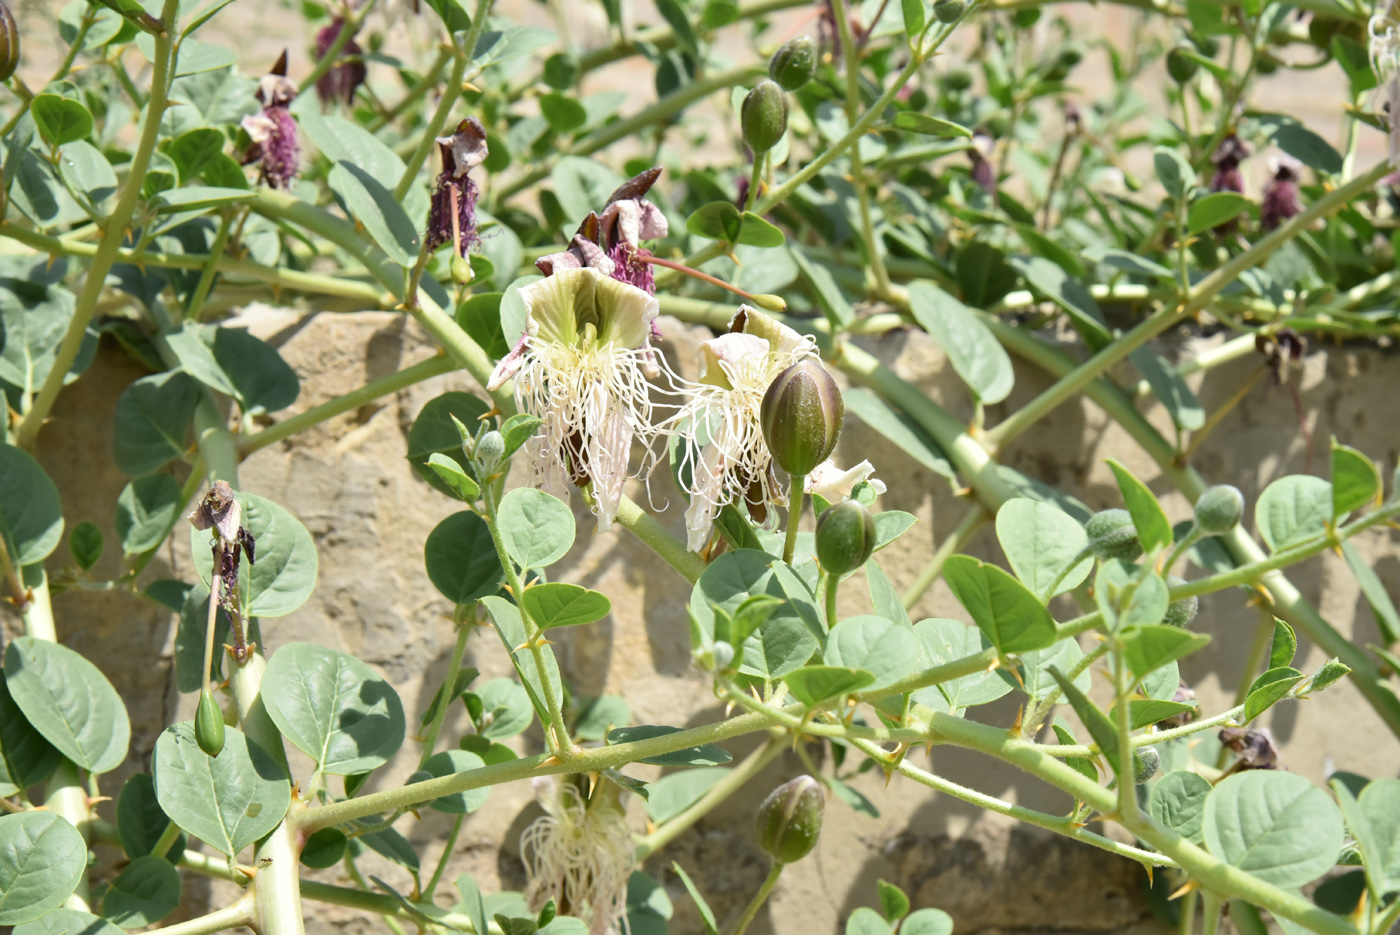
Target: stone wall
(369, 513)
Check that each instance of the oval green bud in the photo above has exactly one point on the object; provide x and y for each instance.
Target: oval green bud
(790, 819)
(794, 64)
(845, 537)
(1145, 761)
(770, 303)
(461, 270)
(488, 453)
(763, 116)
(209, 724)
(1181, 67)
(9, 43)
(1112, 535)
(1026, 17)
(949, 11)
(1181, 613)
(959, 79)
(1219, 509)
(801, 416)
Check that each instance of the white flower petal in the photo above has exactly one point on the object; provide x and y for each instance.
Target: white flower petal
(834, 485)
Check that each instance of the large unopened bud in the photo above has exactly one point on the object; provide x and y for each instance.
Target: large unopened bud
(1113, 535)
(794, 64)
(1180, 65)
(845, 537)
(763, 116)
(790, 819)
(1219, 509)
(802, 414)
(9, 43)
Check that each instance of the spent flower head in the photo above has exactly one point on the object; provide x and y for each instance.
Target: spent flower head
(582, 366)
(452, 216)
(273, 132)
(627, 220)
(341, 80)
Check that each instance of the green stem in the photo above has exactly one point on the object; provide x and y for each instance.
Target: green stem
(167, 839)
(445, 697)
(1032, 724)
(1053, 588)
(1060, 825)
(1263, 633)
(235, 916)
(755, 180)
(1195, 535)
(1127, 768)
(429, 80)
(64, 796)
(112, 234)
(832, 583)
(971, 522)
(206, 278)
(393, 383)
(1199, 297)
(1210, 913)
(211, 624)
(1188, 913)
(447, 847)
(277, 887)
(1225, 718)
(797, 496)
(672, 551)
(759, 899)
(732, 782)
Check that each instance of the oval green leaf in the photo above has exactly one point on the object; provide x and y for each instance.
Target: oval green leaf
(1293, 510)
(69, 701)
(1011, 616)
(536, 528)
(461, 558)
(563, 605)
(145, 892)
(886, 649)
(972, 349)
(1153, 529)
(42, 858)
(31, 517)
(1274, 824)
(1179, 802)
(1041, 541)
(812, 685)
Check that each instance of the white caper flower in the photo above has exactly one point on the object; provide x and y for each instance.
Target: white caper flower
(582, 366)
(834, 485)
(723, 456)
(580, 853)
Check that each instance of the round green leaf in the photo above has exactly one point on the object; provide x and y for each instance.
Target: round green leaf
(68, 922)
(42, 858)
(536, 528)
(228, 802)
(85, 542)
(445, 764)
(927, 922)
(813, 684)
(153, 416)
(26, 758)
(1275, 825)
(69, 701)
(324, 848)
(1040, 541)
(31, 517)
(285, 571)
(884, 648)
(461, 558)
(1293, 510)
(60, 119)
(505, 709)
(564, 605)
(147, 509)
(145, 892)
(333, 707)
(972, 349)
(141, 821)
(1012, 617)
(1179, 802)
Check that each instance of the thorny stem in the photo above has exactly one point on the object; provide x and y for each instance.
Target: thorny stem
(1127, 767)
(241, 913)
(112, 233)
(759, 898)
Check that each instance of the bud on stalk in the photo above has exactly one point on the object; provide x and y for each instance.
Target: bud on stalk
(763, 116)
(948, 11)
(845, 538)
(1219, 509)
(209, 724)
(801, 417)
(790, 819)
(1113, 535)
(794, 64)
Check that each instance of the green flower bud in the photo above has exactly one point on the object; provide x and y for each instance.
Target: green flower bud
(1145, 761)
(949, 11)
(9, 43)
(763, 116)
(1219, 509)
(461, 270)
(1181, 613)
(488, 453)
(1350, 857)
(1112, 535)
(790, 819)
(959, 79)
(794, 64)
(801, 416)
(1026, 17)
(723, 655)
(770, 303)
(1180, 66)
(209, 724)
(845, 537)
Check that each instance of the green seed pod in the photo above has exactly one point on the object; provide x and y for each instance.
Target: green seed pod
(1112, 535)
(801, 415)
(1181, 613)
(763, 116)
(845, 537)
(790, 819)
(209, 724)
(1179, 66)
(9, 43)
(488, 453)
(461, 270)
(770, 303)
(949, 11)
(959, 79)
(1206, 45)
(1146, 760)
(794, 64)
(1219, 509)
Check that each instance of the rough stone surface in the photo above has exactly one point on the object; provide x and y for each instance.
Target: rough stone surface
(369, 513)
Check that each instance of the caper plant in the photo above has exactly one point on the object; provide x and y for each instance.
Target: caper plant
(882, 178)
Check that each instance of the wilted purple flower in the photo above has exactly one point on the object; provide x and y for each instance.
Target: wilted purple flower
(582, 253)
(273, 132)
(1255, 748)
(626, 221)
(453, 213)
(1227, 158)
(341, 80)
(220, 511)
(630, 267)
(1280, 197)
(983, 173)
